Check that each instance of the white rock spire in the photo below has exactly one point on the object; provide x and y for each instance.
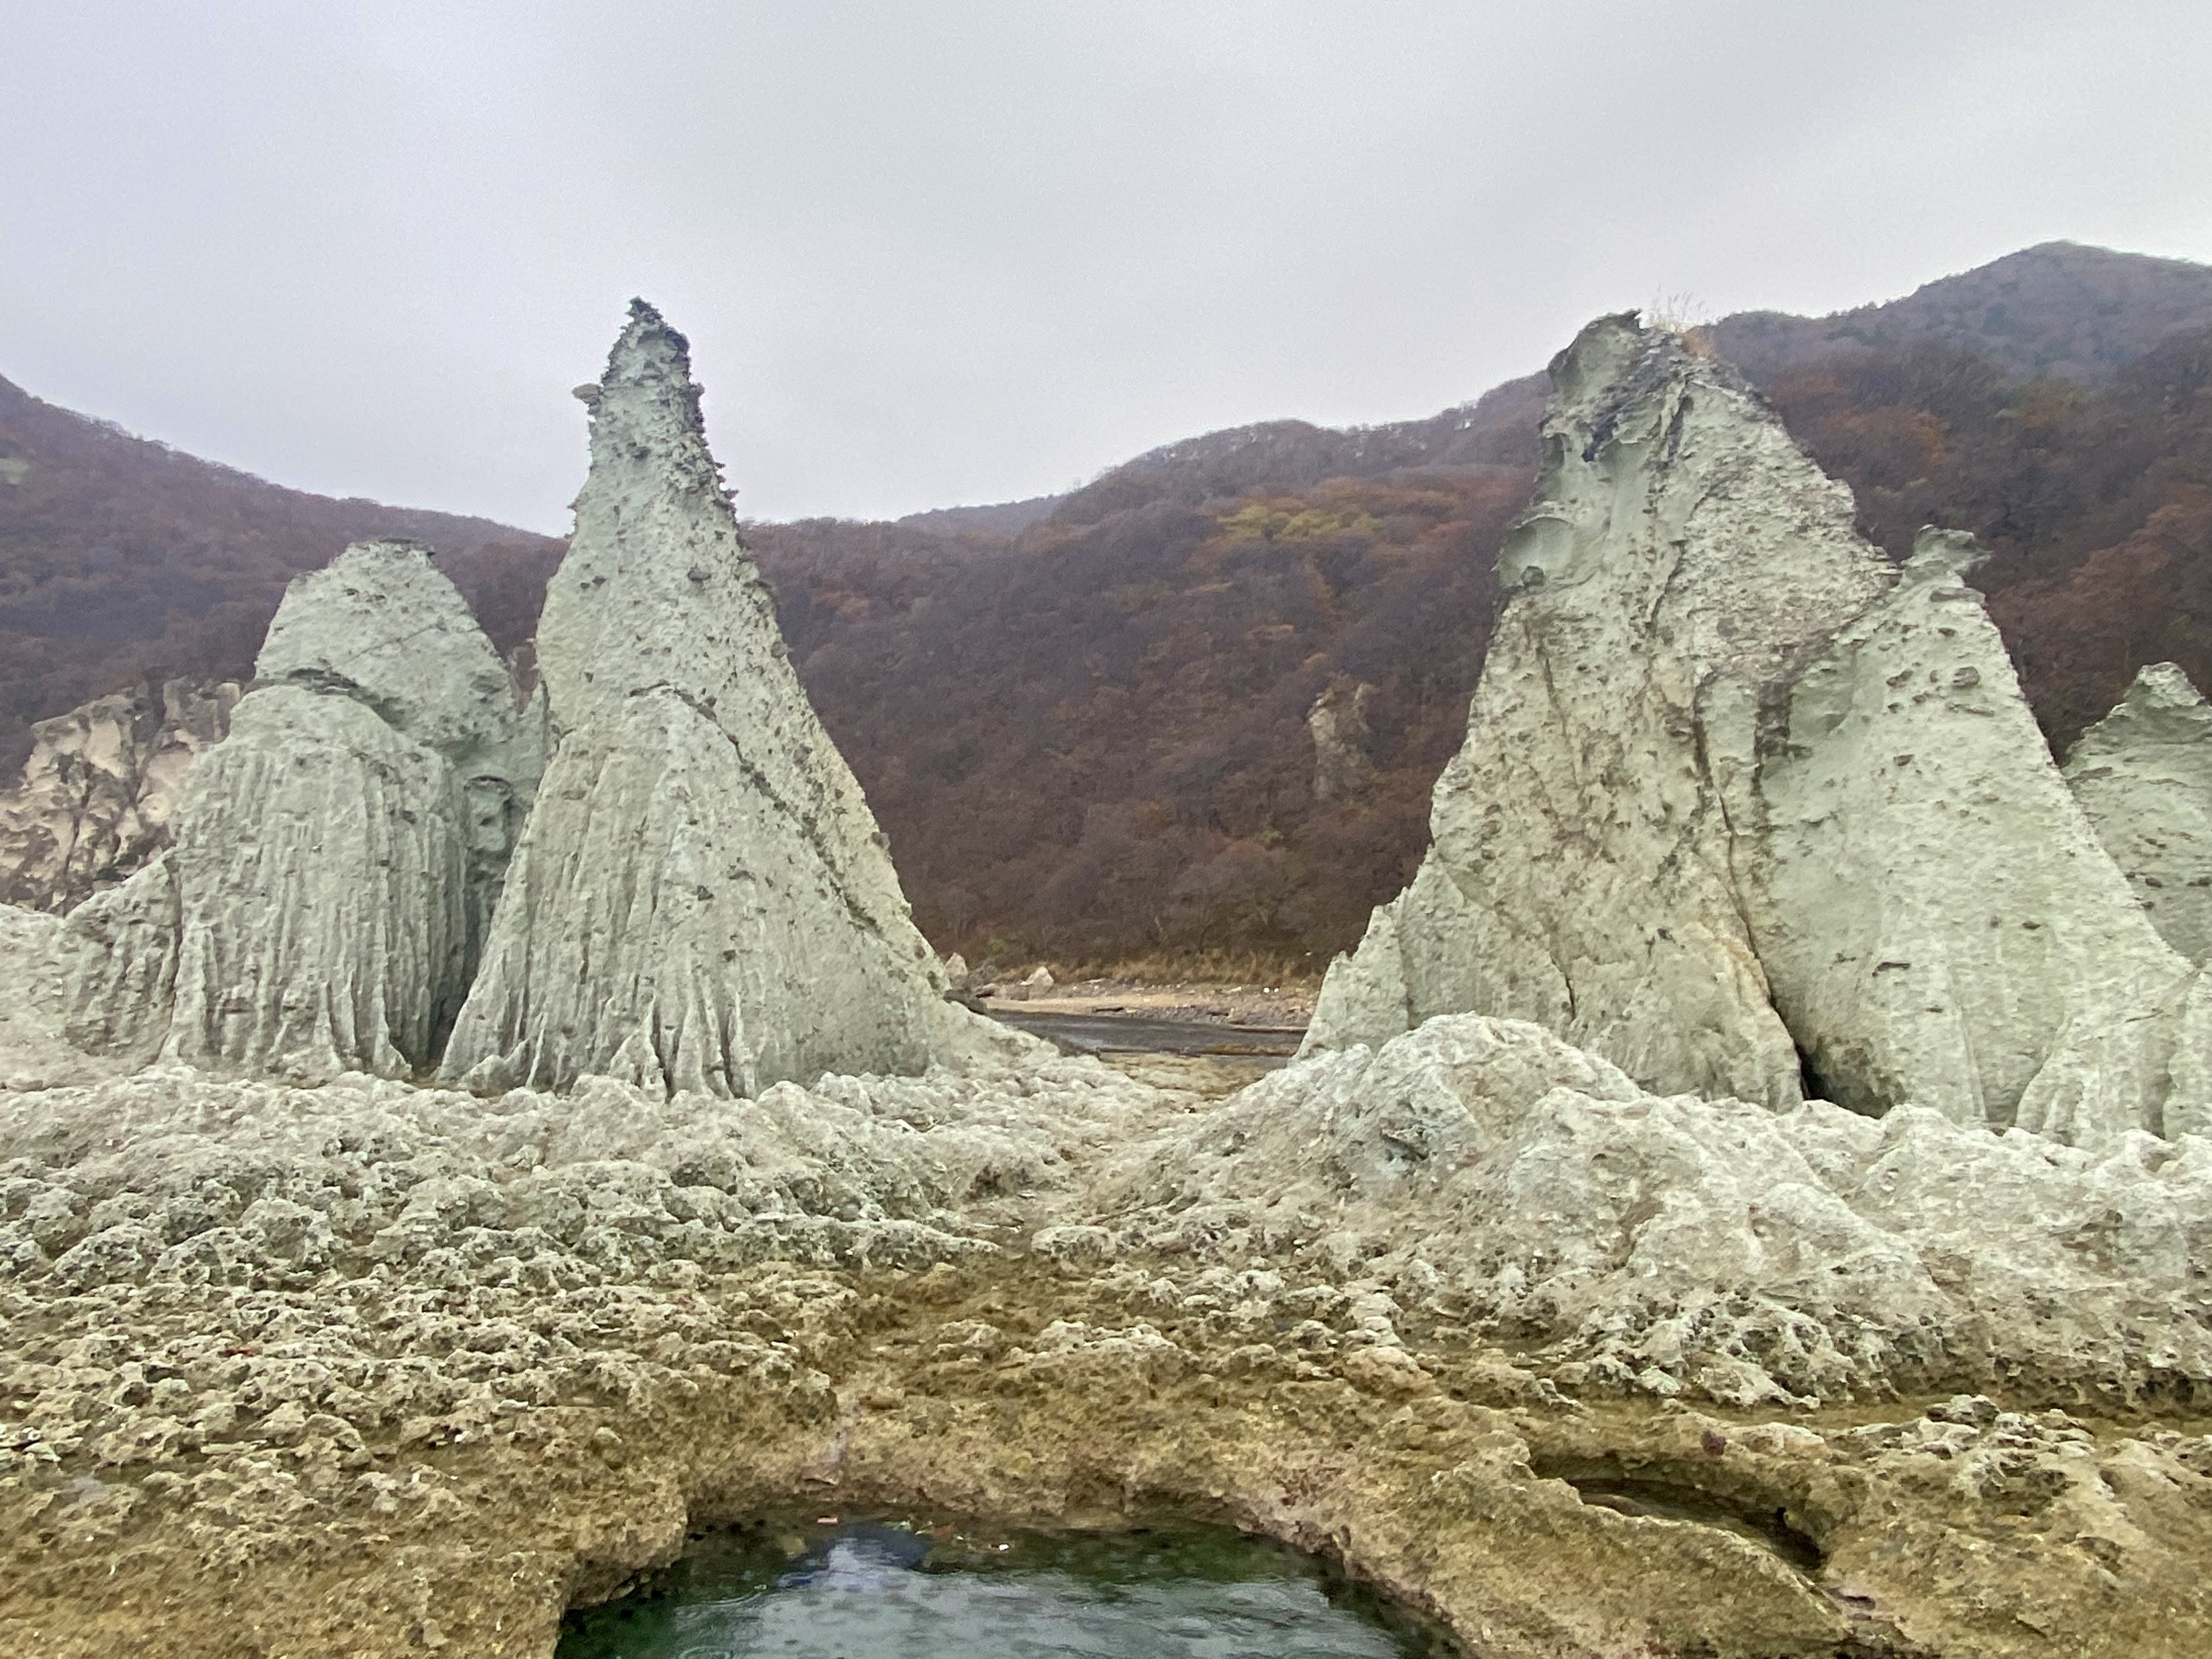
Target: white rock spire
(1746, 812)
(702, 900)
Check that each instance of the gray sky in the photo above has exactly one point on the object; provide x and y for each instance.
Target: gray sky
(930, 253)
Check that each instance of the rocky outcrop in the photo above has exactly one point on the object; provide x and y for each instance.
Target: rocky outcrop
(405, 1371)
(100, 785)
(2143, 774)
(1936, 917)
(1344, 763)
(1747, 813)
(1680, 542)
(381, 626)
(702, 900)
(1686, 1246)
(317, 914)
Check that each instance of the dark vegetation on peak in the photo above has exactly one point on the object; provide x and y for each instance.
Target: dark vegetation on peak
(1081, 719)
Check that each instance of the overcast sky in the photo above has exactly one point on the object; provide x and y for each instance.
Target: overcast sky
(930, 253)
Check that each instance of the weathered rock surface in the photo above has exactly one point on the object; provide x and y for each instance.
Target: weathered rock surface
(320, 869)
(1344, 762)
(318, 913)
(381, 625)
(1679, 542)
(100, 788)
(399, 1367)
(701, 899)
(1746, 811)
(35, 959)
(1669, 1245)
(121, 960)
(1937, 917)
(2143, 774)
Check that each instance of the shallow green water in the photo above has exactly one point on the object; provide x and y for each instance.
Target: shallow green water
(865, 1590)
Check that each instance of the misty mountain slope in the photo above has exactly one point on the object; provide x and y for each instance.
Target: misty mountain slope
(2058, 311)
(1096, 741)
(1082, 720)
(122, 559)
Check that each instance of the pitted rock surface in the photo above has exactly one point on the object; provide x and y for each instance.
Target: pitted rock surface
(1750, 814)
(1680, 539)
(384, 1365)
(1935, 914)
(1671, 1244)
(2143, 774)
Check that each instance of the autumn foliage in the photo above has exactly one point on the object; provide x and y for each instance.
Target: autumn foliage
(1083, 722)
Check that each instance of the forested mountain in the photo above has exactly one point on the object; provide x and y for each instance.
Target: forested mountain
(123, 559)
(1082, 720)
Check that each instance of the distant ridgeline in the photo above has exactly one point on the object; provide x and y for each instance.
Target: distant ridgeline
(1087, 723)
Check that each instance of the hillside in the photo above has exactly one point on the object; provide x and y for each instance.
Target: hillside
(122, 560)
(1083, 719)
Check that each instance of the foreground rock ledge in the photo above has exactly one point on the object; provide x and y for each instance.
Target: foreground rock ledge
(381, 1371)
(1438, 1472)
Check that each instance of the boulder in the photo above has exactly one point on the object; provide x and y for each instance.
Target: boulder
(2143, 774)
(701, 899)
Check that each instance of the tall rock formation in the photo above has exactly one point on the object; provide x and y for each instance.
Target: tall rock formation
(1936, 917)
(1680, 547)
(701, 899)
(1743, 810)
(2143, 774)
(100, 788)
(314, 914)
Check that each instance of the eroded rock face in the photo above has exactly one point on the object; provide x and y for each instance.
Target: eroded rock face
(321, 910)
(1746, 812)
(382, 626)
(36, 957)
(1680, 542)
(1936, 917)
(322, 923)
(99, 788)
(701, 899)
(2143, 774)
(1344, 766)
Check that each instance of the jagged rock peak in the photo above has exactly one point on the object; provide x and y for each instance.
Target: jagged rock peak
(702, 900)
(1681, 551)
(645, 409)
(1746, 809)
(2143, 774)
